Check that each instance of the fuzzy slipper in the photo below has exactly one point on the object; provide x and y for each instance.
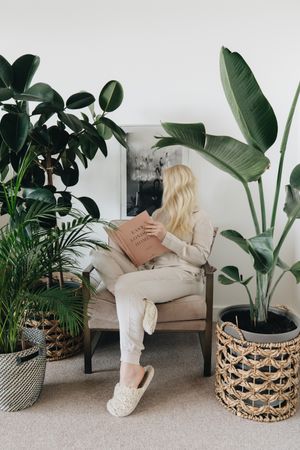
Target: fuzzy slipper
(150, 316)
(126, 399)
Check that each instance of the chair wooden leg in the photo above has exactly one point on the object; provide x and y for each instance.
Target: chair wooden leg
(206, 344)
(87, 351)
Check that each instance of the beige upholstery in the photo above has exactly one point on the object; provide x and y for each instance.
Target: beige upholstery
(103, 315)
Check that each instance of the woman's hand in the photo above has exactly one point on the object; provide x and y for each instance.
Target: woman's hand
(154, 228)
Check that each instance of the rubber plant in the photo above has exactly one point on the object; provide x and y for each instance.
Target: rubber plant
(247, 163)
(59, 138)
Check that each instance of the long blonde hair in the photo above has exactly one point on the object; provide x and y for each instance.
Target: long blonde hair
(179, 198)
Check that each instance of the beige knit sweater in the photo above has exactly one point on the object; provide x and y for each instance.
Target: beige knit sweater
(189, 253)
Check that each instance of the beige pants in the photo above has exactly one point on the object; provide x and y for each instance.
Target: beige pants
(131, 285)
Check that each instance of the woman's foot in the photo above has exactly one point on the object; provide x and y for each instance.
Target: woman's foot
(131, 374)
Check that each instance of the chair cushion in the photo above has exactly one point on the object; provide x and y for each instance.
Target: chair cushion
(103, 314)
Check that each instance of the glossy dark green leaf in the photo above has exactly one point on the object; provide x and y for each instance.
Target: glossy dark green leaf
(224, 280)
(295, 177)
(250, 107)
(111, 96)
(35, 177)
(41, 136)
(24, 69)
(84, 117)
(39, 92)
(6, 73)
(82, 158)
(58, 138)
(105, 132)
(93, 135)
(80, 100)
(91, 206)
(14, 130)
(65, 203)
(117, 131)
(292, 202)
(71, 121)
(236, 237)
(295, 270)
(261, 248)
(243, 162)
(39, 194)
(88, 146)
(5, 94)
(70, 175)
(10, 108)
(232, 272)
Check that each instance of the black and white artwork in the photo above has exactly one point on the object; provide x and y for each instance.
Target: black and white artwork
(142, 169)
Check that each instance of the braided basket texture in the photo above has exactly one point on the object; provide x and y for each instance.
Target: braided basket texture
(258, 381)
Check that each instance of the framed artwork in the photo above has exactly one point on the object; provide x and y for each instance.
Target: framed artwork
(141, 169)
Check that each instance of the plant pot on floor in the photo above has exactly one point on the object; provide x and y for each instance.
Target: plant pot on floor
(59, 343)
(257, 374)
(22, 373)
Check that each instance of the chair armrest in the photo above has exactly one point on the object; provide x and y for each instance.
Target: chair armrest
(208, 269)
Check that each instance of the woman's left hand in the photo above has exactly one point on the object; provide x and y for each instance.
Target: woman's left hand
(154, 228)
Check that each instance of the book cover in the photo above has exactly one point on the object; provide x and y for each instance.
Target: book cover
(133, 240)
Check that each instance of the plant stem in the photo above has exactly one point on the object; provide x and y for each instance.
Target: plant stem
(252, 208)
(275, 285)
(262, 204)
(282, 153)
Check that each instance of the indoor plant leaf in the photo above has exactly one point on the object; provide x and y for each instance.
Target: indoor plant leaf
(111, 96)
(6, 73)
(14, 130)
(261, 248)
(80, 100)
(24, 69)
(250, 107)
(71, 121)
(105, 132)
(295, 270)
(5, 94)
(236, 237)
(225, 280)
(240, 160)
(295, 177)
(70, 175)
(39, 92)
(39, 194)
(292, 202)
(91, 206)
(232, 272)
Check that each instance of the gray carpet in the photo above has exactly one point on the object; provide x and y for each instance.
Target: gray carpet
(178, 411)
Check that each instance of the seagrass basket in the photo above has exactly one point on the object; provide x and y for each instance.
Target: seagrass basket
(59, 343)
(258, 381)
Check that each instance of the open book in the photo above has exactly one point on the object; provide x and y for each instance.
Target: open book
(134, 241)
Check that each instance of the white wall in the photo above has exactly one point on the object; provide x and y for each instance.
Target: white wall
(165, 53)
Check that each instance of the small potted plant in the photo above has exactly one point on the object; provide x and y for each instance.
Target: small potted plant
(27, 253)
(258, 346)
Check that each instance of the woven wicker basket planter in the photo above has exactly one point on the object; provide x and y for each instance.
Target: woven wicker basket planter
(59, 343)
(22, 373)
(258, 381)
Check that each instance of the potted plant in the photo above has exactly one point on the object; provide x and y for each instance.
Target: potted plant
(258, 345)
(59, 141)
(27, 253)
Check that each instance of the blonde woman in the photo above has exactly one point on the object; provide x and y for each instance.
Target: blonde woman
(188, 233)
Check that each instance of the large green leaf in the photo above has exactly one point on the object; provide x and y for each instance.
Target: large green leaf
(39, 92)
(236, 237)
(261, 248)
(232, 272)
(243, 162)
(295, 177)
(24, 69)
(5, 94)
(71, 121)
(295, 270)
(91, 206)
(39, 194)
(70, 175)
(14, 130)
(80, 100)
(6, 74)
(292, 202)
(250, 107)
(111, 96)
